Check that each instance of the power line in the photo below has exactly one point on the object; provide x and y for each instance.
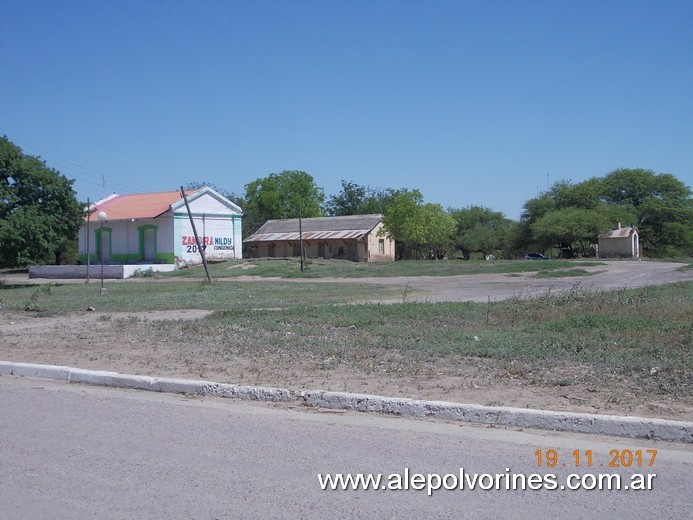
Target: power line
(82, 173)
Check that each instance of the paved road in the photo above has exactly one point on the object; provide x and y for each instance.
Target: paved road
(69, 451)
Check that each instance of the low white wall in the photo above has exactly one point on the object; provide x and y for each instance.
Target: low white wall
(80, 271)
(130, 270)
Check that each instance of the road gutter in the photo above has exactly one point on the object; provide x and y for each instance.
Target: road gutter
(613, 425)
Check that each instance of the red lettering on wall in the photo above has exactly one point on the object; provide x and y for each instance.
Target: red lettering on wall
(190, 240)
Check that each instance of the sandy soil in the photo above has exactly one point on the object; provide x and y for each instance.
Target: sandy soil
(134, 343)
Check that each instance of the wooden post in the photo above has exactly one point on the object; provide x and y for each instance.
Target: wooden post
(88, 231)
(300, 236)
(197, 239)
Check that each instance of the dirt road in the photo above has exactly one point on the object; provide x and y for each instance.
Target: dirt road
(482, 287)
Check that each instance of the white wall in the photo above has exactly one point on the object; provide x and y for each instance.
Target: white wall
(165, 236)
(217, 226)
(80, 271)
(619, 247)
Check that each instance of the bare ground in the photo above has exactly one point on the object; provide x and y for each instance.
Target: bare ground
(142, 344)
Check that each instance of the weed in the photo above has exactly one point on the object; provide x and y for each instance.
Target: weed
(128, 320)
(33, 304)
(144, 273)
(405, 293)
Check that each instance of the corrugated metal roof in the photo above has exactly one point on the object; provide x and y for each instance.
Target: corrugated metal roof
(142, 205)
(319, 228)
(307, 235)
(621, 232)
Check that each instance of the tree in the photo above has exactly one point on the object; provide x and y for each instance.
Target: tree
(661, 207)
(196, 185)
(658, 204)
(350, 201)
(584, 195)
(39, 212)
(280, 196)
(569, 226)
(419, 230)
(667, 229)
(634, 187)
(436, 230)
(523, 238)
(355, 199)
(481, 230)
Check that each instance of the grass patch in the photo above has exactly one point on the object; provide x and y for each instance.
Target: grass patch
(622, 335)
(687, 267)
(162, 295)
(565, 273)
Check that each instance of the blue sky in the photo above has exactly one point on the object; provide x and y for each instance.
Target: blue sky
(471, 102)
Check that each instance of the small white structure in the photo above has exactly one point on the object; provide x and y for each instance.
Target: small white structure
(154, 228)
(622, 242)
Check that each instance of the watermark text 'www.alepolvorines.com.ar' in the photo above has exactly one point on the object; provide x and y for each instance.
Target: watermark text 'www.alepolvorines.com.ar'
(463, 481)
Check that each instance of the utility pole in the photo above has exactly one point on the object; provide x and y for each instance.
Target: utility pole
(300, 236)
(102, 218)
(197, 239)
(88, 231)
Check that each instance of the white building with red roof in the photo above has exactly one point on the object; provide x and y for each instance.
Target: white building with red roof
(155, 228)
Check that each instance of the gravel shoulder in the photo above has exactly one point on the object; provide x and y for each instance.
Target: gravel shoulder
(482, 287)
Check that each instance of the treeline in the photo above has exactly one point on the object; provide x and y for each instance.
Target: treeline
(564, 220)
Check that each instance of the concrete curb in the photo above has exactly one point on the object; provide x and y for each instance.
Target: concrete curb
(633, 427)
(152, 384)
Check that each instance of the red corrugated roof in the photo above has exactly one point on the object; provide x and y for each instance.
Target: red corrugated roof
(621, 232)
(143, 205)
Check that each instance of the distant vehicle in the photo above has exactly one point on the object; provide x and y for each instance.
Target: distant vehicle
(535, 256)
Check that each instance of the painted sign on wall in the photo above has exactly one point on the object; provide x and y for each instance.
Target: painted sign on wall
(208, 243)
(219, 235)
